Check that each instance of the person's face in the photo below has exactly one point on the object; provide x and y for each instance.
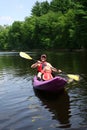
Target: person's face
(43, 59)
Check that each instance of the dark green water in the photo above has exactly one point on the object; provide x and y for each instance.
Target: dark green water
(22, 108)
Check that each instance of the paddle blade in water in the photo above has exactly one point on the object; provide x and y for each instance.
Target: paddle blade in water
(75, 77)
(24, 55)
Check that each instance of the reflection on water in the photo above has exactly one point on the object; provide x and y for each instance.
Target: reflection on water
(21, 107)
(58, 105)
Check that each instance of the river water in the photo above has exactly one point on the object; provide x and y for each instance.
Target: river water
(23, 108)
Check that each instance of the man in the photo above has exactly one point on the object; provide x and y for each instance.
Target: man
(42, 66)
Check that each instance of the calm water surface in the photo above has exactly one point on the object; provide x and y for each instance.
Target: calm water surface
(23, 108)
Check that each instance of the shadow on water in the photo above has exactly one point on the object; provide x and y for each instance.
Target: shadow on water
(58, 105)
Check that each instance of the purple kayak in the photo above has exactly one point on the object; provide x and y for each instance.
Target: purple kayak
(54, 85)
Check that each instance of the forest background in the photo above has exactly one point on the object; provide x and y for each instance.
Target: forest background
(60, 24)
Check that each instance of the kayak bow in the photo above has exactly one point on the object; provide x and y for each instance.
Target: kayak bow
(54, 85)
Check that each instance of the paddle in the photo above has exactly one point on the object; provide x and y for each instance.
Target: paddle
(26, 56)
(75, 77)
(72, 76)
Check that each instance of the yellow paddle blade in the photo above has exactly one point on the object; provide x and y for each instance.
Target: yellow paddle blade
(24, 55)
(75, 77)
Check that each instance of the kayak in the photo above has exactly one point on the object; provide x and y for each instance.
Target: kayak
(54, 85)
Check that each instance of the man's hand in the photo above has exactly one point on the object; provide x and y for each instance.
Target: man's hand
(38, 62)
(59, 71)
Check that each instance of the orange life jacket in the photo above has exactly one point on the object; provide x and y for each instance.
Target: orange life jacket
(47, 76)
(41, 66)
(47, 73)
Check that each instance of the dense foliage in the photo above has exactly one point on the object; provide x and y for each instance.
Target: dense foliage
(60, 24)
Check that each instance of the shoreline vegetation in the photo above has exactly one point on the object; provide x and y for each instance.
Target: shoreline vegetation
(58, 25)
(50, 50)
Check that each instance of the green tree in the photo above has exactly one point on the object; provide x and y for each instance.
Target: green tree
(81, 24)
(28, 28)
(40, 9)
(41, 33)
(36, 10)
(4, 37)
(15, 36)
(61, 5)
